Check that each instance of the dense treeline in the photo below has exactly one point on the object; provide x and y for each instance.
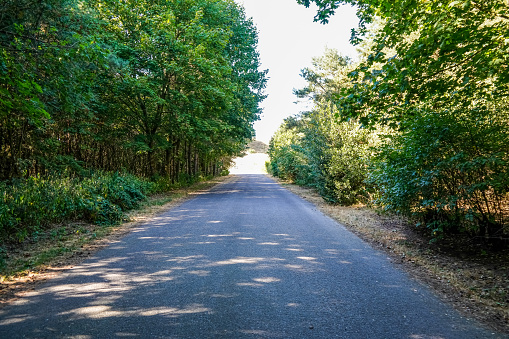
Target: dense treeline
(419, 126)
(318, 150)
(167, 90)
(157, 88)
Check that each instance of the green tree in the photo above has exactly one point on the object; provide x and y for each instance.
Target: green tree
(448, 53)
(287, 158)
(187, 72)
(318, 150)
(47, 58)
(436, 71)
(449, 171)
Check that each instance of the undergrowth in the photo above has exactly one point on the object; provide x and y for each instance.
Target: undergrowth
(45, 218)
(29, 206)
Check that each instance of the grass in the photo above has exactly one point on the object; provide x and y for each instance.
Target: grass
(62, 245)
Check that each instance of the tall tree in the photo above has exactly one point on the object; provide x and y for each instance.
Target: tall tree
(437, 71)
(317, 149)
(187, 71)
(46, 50)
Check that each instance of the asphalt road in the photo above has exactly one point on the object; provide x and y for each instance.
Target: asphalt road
(248, 259)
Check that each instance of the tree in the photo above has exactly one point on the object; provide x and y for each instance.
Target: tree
(158, 88)
(449, 53)
(448, 171)
(318, 150)
(188, 73)
(46, 68)
(437, 74)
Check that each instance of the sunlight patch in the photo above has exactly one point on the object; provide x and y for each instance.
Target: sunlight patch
(238, 260)
(15, 320)
(294, 249)
(101, 312)
(267, 280)
(307, 258)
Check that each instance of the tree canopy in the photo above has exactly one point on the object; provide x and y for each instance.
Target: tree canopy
(432, 82)
(158, 88)
(443, 54)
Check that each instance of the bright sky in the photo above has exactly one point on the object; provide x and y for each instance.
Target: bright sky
(288, 39)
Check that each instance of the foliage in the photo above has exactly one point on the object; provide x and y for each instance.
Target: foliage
(347, 151)
(167, 90)
(157, 88)
(450, 52)
(187, 74)
(29, 205)
(436, 73)
(47, 61)
(459, 182)
(318, 150)
(287, 160)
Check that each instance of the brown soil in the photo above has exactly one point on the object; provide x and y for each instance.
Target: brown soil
(466, 275)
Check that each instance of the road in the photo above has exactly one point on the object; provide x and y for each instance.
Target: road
(247, 259)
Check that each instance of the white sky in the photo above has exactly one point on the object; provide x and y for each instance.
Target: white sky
(287, 41)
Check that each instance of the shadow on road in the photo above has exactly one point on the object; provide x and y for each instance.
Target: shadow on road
(220, 267)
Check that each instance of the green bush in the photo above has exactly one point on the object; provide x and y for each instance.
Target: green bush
(450, 171)
(340, 152)
(162, 184)
(317, 150)
(287, 157)
(27, 206)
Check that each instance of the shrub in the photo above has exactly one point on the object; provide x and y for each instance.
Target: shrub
(27, 206)
(317, 150)
(340, 152)
(287, 160)
(450, 171)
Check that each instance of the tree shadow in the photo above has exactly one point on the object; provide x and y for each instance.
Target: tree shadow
(218, 267)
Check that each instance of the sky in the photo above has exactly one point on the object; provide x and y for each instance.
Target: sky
(288, 39)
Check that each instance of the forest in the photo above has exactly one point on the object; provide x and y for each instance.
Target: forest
(103, 102)
(418, 126)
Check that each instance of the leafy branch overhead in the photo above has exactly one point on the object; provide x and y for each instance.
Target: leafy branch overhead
(440, 52)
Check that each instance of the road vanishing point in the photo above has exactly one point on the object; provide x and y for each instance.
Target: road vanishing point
(246, 259)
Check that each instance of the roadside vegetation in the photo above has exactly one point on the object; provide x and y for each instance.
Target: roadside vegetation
(104, 103)
(59, 246)
(417, 126)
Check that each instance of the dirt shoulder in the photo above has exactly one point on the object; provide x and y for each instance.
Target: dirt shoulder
(63, 246)
(465, 275)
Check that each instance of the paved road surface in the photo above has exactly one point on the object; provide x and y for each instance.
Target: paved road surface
(245, 260)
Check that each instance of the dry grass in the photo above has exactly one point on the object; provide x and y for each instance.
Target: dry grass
(473, 280)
